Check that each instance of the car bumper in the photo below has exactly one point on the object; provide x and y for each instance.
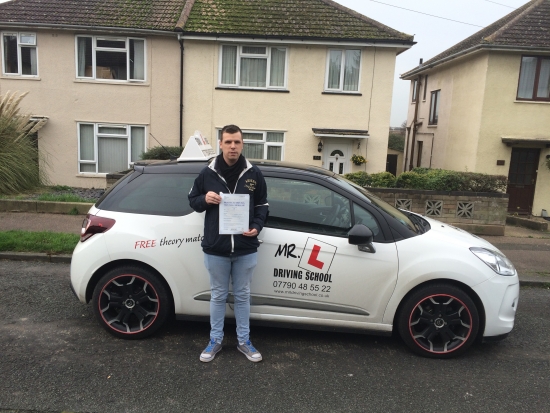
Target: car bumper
(500, 296)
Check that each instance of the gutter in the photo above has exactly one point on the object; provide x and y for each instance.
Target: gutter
(88, 28)
(420, 69)
(297, 40)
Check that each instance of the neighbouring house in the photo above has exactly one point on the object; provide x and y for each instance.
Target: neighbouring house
(307, 80)
(394, 159)
(483, 105)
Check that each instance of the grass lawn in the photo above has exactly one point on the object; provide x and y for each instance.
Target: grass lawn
(57, 193)
(61, 198)
(46, 241)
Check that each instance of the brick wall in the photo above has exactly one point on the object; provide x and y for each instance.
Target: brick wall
(478, 212)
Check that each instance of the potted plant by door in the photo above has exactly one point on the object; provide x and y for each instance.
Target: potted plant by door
(358, 159)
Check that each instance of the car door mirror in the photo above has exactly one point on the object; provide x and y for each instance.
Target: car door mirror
(361, 236)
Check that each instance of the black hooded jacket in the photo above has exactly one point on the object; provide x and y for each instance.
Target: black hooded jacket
(251, 182)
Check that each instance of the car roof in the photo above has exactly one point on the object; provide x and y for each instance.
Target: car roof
(196, 166)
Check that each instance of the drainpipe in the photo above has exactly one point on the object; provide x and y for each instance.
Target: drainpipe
(415, 120)
(407, 148)
(181, 91)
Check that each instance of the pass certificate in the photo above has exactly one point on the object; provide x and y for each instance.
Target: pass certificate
(234, 212)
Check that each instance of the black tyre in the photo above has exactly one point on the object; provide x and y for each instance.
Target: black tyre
(130, 302)
(439, 321)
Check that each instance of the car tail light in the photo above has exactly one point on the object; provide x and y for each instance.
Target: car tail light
(94, 225)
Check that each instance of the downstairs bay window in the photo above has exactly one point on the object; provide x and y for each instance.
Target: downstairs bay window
(262, 145)
(107, 148)
(110, 58)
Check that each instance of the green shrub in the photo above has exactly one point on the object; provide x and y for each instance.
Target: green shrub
(19, 157)
(396, 142)
(477, 182)
(158, 152)
(442, 180)
(382, 180)
(411, 180)
(445, 180)
(361, 178)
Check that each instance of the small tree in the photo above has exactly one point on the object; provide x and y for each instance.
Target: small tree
(19, 157)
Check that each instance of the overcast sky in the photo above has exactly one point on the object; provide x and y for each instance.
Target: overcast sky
(433, 35)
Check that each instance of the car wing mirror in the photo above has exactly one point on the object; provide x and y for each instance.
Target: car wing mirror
(361, 236)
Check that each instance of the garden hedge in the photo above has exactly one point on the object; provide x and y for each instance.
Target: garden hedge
(433, 180)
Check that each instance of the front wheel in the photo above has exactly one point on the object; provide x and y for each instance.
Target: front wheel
(439, 321)
(130, 302)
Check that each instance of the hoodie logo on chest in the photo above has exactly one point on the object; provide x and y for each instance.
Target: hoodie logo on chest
(250, 184)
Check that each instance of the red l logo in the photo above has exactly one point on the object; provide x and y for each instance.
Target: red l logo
(313, 257)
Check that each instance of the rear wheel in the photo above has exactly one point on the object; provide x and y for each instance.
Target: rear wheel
(439, 321)
(130, 302)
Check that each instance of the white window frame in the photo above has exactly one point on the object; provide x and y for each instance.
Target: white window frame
(435, 97)
(241, 54)
(126, 49)
(19, 46)
(256, 141)
(97, 135)
(342, 66)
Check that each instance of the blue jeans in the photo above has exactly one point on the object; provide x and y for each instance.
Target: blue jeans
(239, 269)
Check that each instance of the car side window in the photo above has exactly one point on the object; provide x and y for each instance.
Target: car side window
(362, 216)
(306, 206)
(153, 194)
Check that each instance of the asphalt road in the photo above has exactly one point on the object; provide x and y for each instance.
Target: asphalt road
(54, 356)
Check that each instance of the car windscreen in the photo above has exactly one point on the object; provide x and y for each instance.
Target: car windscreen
(383, 205)
(152, 194)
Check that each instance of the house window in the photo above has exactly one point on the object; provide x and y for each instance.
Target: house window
(434, 107)
(425, 86)
(113, 58)
(414, 86)
(262, 144)
(258, 67)
(534, 78)
(106, 148)
(343, 68)
(19, 54)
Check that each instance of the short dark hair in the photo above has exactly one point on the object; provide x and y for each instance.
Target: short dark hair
(231, 129)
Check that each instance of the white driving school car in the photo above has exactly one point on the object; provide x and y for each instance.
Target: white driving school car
(332, 256)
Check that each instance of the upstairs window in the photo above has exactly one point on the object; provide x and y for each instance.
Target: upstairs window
(534, 78)
(256, 67)
(343, 69)
(414, 86)
(434, 108)
(110, 58)
(19, 52)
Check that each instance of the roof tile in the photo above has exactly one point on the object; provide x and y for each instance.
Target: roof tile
(527, 26)
(132, 14)
(286, 18)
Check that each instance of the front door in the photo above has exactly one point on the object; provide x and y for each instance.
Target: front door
(522, 178)
(391, 164)
(337, 157)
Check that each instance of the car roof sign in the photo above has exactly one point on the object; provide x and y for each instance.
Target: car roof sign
(197, 149)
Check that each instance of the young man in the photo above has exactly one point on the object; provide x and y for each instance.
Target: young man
(230, 256)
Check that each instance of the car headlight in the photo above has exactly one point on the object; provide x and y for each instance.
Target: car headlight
(497, 261)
